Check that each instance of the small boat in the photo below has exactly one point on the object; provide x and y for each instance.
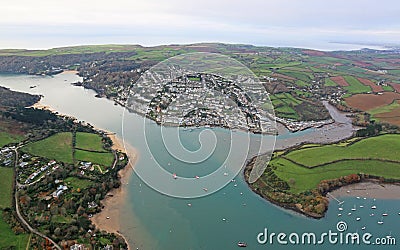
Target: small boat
(174, 176)
(241, 244)
(361, 206)
(385, 214)
(235, 185)
(225, 174)
(339, 215)
(189, 204)
(197, 177)
(381, 221)
(349, 214)
(354, 208)
(241, 193)
(340, 209)
(358, 197)
(358, 219)
(223, 219)
(371, 214)
(373, 207)
(363, 228)
(205, 189)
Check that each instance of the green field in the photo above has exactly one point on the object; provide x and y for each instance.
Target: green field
(9, 239)
(356, 87)
(61, 219)
(6, 187)
(76, 183)
(384, 109)
(330, 83)
(370, 148)
(57, 147)
(105, 159)
(88, 141)
(307, 166)
(307, 179)
(6, 138)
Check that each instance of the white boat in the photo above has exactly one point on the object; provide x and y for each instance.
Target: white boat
(205, 189)
(340, 209)
(385, 214)
(349, 214)
(381, 221)
(339, 215)
(361, 206)
(358, 219)
(354, 208)
(363, 228)
(373, 207)
(174, 176)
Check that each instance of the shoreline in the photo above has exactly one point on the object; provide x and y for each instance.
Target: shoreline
(370, 188)
(116, 197)
(108, 219)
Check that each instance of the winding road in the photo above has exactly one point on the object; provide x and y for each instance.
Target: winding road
(20, 217)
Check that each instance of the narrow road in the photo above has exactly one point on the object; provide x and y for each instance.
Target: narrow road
(20, 217)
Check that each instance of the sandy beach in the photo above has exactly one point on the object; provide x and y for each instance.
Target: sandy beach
(369, 189)
(39, 105)
(117, 197)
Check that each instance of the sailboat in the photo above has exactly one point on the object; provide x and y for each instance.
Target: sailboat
(354, 208)
(381, 221)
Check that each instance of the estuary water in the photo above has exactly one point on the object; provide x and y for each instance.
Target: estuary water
(152, 220)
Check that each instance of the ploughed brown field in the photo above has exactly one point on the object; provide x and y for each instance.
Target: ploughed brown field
(396, 86)
(366, 102)
(277, 75)
(314, 52)
(339, 80)
(374, 87)
(392, 117)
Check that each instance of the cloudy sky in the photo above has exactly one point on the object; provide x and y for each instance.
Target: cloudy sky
(299, 23)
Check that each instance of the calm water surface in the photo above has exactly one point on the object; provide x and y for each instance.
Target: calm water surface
(151, 220)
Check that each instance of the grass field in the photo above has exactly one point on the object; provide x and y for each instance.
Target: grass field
(9, 239)
(105, 159)
(6, 187)
(6, 138)
(306, 179)
(373, 148)
(365, 156)
(330, 83)
(355, 86)
(57, 147)
(78, 183)
(88, 141)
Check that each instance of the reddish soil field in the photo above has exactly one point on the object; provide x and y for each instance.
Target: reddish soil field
(396, 86)
(339, 80)
(392, 117)
(314, 53)
(277, 75)
(366, 102)
(375, 88)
